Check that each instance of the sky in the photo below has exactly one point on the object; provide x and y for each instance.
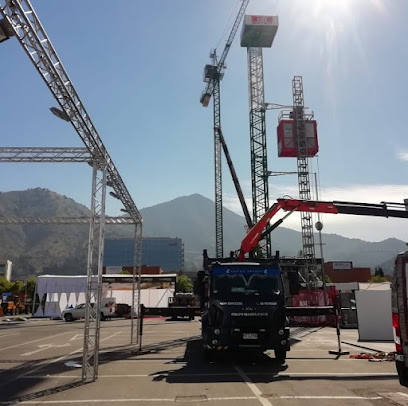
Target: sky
(137, 66)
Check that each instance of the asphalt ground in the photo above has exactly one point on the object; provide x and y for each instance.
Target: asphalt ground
(34, 353)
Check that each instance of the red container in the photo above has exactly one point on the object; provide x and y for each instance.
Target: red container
(287, 144)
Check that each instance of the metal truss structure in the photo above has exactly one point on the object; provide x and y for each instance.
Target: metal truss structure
(62, 220)
(299, 118)
(23, 23)
(44, 154)
(213, 89)
(219, 224)
(257, 126)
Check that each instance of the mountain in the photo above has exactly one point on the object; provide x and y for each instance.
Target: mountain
(61, 249)
(42, 249)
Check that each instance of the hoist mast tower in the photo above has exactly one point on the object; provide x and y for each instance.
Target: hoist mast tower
(300, 118)
(258, 32)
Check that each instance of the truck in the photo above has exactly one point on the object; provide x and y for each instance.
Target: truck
(108, 310)
(400, 316)
(243, 296)
(244, 308)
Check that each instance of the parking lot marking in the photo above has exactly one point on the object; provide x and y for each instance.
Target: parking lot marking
(172, 400)
(44, 347)
(333, 397)
(30, 342)
(253, 387)
(294, 374)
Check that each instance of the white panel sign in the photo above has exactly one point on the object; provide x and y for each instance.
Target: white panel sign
(342, 265)
(113, 269)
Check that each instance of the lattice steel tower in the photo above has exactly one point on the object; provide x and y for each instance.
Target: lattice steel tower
(258, 32)
(212, 75)
(299, 127)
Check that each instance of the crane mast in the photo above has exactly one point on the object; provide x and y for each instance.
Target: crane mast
(299, 127)
(213, 74)
(257, 127)
(258, 32)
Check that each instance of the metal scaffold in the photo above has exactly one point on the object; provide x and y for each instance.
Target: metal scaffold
(299, 118)
(20, 20)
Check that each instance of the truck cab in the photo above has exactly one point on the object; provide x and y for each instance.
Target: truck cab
(245, 308)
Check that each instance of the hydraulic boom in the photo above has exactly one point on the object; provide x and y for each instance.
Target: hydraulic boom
(258, 231)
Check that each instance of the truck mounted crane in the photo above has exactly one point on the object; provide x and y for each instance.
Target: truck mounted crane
(244, 299)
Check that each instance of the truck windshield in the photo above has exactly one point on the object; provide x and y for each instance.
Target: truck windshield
(239, 285)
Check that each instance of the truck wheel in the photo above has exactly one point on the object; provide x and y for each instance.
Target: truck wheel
(208, 354)
(280, 356)
(402, 373)
(68, 317)
(102, 317)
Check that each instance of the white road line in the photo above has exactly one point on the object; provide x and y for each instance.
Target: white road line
(8, 335)
(333, 397)
(294, 374)
(209, 399)
(63, 357)
(253, 387)
(29, 342)
(403, 394)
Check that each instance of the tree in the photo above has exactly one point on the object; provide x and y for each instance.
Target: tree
(17, 287)
(378, 279)
(31, 287)
(125, 272)
(184, 284)
(379, 272)
(5, 285)
(327, 279)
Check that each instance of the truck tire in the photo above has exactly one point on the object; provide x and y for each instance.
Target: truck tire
(402, 373)
(280, 356)
(102, 317)
(208, 354)
(68, 317)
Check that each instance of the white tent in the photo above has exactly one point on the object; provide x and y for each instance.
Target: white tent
(56, 292)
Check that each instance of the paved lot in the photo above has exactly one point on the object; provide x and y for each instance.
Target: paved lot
(33, 370)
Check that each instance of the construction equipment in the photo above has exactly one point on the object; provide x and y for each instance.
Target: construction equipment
(213, 74)
(400, 316)
(260, 229)
(235, 178)
(244, 299)
(258, 32)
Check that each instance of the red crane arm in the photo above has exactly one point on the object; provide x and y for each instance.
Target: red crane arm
(290, 205)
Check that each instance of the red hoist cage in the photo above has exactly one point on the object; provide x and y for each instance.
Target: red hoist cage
(287, 142)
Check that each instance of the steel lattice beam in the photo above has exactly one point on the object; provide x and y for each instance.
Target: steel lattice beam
(94, 276)
(44, 154)
(259, 159)
(219, 240)
(24, 23)
(63, 220)
(30, 33)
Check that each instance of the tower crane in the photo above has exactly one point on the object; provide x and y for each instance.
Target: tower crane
(213, 74)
